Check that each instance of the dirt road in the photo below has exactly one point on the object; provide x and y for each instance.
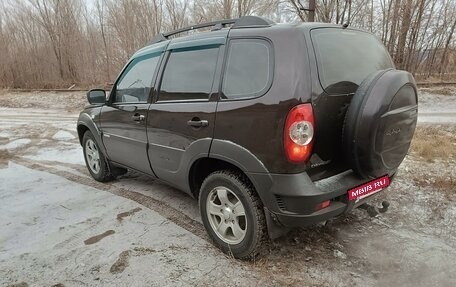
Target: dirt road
(61, 227)
(437, 108)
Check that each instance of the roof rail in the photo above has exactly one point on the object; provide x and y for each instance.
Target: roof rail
(242, 22)
(252, 21)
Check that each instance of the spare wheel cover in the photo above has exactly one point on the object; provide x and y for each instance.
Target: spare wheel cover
(380, 123)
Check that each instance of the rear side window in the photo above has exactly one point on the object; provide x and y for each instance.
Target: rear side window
(248, 71)
(136, 81)
(347, 57)
(189, 74)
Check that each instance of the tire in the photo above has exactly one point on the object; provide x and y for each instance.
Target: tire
(253, 223)
(101, 172)
(380, 123)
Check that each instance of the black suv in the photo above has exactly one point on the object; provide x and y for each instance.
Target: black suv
(269, 126)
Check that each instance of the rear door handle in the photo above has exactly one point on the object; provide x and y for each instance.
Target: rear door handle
(138, 117)
(197, 123)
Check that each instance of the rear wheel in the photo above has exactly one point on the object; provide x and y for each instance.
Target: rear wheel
(95, 160)
(232, 214)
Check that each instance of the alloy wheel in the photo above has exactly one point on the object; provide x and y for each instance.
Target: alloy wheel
(226, 215)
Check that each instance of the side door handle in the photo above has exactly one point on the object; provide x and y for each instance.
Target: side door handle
(138, 117)
(197, 123)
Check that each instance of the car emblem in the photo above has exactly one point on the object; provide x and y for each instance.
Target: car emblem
(393, 131)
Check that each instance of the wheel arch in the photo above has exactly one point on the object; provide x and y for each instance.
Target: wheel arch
(204, 166)
(82, 128)
(231, 156)
(85, 123)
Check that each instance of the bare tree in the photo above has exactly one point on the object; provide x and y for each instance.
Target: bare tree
(176, 12)
(52, 43)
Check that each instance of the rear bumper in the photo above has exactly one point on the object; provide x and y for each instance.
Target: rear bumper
(300, 220)
(294, 197)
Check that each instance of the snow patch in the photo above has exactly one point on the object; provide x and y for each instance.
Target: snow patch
(70, 155)
(5, 134)
(63, 135)
(16, 144)
(339, 254)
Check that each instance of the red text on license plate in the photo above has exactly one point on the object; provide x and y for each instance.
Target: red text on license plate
(368, 188)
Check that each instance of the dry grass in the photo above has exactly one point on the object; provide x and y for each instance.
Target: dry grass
(69, 101)
(446, 91)
(434, 142)
(431, 144)
(450, 77)
(443, 184)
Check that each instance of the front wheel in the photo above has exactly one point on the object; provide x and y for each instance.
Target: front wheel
(232, 214)
(95, 160)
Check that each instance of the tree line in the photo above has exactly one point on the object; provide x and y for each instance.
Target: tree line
(58, 43)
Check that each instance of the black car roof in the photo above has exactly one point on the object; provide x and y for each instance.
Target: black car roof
(221, 29)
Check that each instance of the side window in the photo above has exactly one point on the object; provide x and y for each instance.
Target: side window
(189, 74)
(249, 68)
(136, 82)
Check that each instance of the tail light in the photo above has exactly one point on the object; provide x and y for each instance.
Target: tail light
(298, 133)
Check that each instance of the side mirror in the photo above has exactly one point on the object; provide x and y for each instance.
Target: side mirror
(96, 96)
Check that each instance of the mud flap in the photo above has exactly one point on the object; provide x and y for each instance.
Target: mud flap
(275, 229)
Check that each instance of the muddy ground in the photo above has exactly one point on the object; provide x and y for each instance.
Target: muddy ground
(59, 226)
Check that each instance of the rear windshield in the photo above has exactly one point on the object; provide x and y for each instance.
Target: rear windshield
(346, 57)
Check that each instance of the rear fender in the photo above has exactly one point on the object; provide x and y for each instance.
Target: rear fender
(246, 161)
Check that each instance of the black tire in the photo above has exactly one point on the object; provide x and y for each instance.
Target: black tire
(380, 123)
(255, 223)
(104, 173)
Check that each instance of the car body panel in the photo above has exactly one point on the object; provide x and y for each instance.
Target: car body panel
(170, 137)
(173, 143)
(124, 138)
(89, 120)
(263, 116)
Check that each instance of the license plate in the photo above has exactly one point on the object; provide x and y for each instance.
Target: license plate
(368, 188)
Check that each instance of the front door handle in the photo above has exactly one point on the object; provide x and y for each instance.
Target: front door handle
(138, 117)
(197, 123)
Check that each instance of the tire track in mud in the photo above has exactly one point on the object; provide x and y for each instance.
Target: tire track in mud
(160, 207)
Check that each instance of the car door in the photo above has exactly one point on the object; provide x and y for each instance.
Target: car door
(123, 120)
(181, 119)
